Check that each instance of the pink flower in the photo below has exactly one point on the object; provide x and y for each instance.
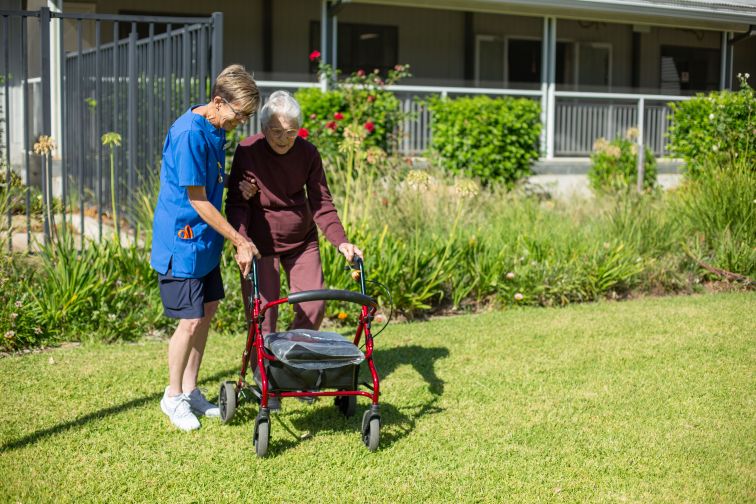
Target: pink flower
(313, 116)
(314, 55)
(338, 116)
(370, 98)
(370, 126)
(331, 125)
(360, 73)
(398, 68)
(303, 133)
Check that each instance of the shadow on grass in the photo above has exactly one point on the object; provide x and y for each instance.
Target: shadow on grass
(397, 422)
(103, 413)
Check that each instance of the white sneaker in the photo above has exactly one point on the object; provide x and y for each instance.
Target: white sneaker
(201, 406)
(178, 410)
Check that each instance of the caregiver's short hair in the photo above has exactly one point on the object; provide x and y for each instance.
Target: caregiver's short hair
(281, 104)
(235, 84)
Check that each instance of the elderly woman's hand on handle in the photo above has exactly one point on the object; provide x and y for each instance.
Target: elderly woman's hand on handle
(349, 251)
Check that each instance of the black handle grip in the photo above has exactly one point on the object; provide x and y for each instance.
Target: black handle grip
(332, 295)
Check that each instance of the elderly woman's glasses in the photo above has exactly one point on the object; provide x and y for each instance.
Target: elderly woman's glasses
(241, 117)
(281, 133)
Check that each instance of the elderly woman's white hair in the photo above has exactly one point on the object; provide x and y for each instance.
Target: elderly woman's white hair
(281, 104)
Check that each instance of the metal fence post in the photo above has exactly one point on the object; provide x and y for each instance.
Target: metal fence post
(216, 64)
(132, 123)
(44, 41)
(6, 86)
(641, 147)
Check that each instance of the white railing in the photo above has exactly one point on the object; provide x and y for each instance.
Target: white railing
(580, 117)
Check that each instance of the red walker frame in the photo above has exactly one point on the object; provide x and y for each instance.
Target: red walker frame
(255, 339)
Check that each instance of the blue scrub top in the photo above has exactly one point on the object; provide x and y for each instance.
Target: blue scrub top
(192, 156)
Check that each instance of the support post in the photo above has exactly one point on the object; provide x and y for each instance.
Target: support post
(725, 67)
(641, 147)
(325, 38)
(551, 103)
(544, 83)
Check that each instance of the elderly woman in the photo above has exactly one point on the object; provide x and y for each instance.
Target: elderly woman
(188, 232)
(277, 194)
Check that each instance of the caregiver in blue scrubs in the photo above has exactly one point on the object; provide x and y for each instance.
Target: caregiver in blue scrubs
(188, 233)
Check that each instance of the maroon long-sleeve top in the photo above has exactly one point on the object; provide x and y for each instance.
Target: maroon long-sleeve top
(293, 197)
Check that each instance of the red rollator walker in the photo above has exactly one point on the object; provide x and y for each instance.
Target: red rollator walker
(305, 363)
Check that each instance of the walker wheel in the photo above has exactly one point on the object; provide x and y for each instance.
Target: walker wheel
(227, 401)
(262, 435)
(371, 430)
(346, 404)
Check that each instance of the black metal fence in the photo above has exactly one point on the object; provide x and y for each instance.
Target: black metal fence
(131, 75)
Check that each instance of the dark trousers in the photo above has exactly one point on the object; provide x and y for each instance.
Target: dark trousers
(304, 271)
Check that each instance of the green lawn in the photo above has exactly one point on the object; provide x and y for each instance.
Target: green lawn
(641, 401)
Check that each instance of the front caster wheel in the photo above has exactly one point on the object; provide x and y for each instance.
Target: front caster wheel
(262, 435)
(371, 430)
(227, 401)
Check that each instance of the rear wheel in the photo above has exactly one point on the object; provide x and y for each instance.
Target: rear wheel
(227, 401)
(346, 404)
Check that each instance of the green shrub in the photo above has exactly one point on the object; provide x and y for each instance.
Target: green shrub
(492, 139)
(715, 129)
(614, 165)
(717, 210)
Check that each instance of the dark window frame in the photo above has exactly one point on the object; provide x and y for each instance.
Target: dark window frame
(349, 67)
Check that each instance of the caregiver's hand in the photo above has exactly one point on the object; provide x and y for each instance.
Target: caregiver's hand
(349, 251)
(248, 186)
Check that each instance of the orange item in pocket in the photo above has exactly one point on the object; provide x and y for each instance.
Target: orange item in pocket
(186, 233)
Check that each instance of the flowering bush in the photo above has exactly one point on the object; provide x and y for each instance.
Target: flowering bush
(715, 129)
(357, 105)
(614, 164)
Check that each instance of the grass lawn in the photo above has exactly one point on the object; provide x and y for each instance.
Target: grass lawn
(640, 401)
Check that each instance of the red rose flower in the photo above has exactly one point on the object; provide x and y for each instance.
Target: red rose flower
(370, 126)
(314, 55)
(331, 125)
(370, 98)
(338, 116)
(360, 73)
(303, 133)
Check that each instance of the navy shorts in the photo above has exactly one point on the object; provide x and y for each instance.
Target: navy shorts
(185, 298)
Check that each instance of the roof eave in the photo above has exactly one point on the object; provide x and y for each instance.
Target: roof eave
(631, 12)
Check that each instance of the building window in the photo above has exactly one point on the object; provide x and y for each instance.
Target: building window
(516, 61)
(361, 46)
(689, 68)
